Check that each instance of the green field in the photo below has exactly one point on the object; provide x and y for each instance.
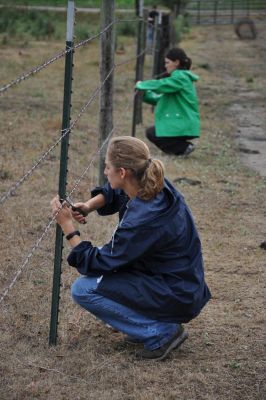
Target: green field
(78, 3)
(204, 4)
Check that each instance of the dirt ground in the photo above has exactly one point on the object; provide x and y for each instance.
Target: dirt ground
(224, 358)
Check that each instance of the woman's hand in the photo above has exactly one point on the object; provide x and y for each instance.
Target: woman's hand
(61, 212)
(77, 215)
(136, 85)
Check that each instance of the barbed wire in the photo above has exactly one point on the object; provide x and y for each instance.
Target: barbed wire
(33, 249)
(16, 185)
(59, 55)
(53, 59)
(49, 224)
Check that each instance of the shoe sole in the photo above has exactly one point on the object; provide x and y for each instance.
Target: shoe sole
(174, 345)
(188, 154)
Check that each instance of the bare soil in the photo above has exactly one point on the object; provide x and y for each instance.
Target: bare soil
(224, 357)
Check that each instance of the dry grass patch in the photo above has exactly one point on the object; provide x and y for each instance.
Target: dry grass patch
(224, 357)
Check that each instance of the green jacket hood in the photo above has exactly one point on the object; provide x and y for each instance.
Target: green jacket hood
(185, 72)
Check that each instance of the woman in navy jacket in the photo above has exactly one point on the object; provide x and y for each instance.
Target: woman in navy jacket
(149, 279)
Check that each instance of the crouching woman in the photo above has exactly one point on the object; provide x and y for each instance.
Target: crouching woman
(149, 278)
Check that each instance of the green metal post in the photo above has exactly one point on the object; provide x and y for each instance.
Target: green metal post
(63, 172)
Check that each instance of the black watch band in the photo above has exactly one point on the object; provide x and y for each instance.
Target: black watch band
(72, 234)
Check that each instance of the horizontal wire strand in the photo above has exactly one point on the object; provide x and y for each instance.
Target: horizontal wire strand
(49, 224)
(59, 55)
(16, 185)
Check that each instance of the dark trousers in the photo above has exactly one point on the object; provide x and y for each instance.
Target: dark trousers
(170, 145)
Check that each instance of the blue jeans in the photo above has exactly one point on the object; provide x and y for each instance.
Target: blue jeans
(153, 334)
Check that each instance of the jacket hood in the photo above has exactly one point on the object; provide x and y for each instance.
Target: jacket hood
(151, 212)
(184, 72)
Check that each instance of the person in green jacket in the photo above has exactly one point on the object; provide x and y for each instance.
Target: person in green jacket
(177, 118)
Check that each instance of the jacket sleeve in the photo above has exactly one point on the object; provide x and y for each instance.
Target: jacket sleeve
(171, 84)
(126, 247)
(151, 97)
(113, 199)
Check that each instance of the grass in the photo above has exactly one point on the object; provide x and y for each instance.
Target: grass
(223, 358)
(28, 24)
(78, 3)
(206, 4)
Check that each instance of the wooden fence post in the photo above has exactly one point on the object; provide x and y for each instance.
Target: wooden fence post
(106, 64)
(140, 58)
(157, 46)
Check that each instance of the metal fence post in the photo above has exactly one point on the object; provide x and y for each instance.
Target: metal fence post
(63, 171)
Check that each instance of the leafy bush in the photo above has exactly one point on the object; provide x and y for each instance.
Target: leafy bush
(126, 29)
(33, 23)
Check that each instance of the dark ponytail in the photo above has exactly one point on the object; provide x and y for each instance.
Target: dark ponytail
(179, 54)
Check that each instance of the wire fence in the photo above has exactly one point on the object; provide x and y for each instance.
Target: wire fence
(61, 54)
(226, 12)
(75, 186)
(11, 191)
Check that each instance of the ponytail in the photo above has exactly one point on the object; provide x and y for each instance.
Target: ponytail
(179, 54)
(133, 154)
(152, 180)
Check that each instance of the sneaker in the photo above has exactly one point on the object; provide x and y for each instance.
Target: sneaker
(191, 147)
(162, 352)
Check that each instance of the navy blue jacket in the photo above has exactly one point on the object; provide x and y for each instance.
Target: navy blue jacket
(153, 263)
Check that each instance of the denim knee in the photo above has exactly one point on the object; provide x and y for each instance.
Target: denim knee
(82, 287)
(76, 290)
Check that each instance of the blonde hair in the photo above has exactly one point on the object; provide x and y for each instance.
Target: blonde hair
(132, 153)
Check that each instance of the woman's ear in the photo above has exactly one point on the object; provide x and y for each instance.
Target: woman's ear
(177, 63)
(123, 173)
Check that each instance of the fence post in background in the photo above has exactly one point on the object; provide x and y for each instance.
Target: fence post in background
(215, 12)
(107, 43)
(198, 11)
(172, 32)
(157, 47)
(140, 58)
(248, 8)
(63, 171)
(232, 11)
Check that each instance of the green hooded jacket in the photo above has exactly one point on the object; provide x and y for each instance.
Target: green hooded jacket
(175, 98)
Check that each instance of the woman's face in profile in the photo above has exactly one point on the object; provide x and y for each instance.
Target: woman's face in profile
(113, 175)
(170, 65)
